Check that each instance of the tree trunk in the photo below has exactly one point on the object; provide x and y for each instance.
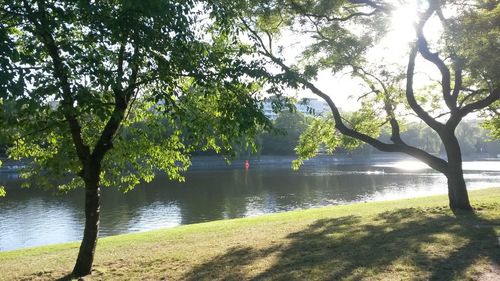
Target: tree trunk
(457, 190)
(85, 258)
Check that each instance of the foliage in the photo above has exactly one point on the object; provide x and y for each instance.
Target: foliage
(494, 126)
(318, 133)
(185, 82)
(473, 36)
(492, 121)
(321, 134)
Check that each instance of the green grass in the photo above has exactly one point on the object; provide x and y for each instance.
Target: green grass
(412, 239)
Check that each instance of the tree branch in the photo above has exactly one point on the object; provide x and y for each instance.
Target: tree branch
(480, 104)
(395, 129)
(433, 161)
(41, 23)
(122, 102)
(410, 95)
(119, 68)
(423, 48)
(471, 94)
(457, 86)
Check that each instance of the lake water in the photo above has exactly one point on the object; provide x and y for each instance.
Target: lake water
(212, 191)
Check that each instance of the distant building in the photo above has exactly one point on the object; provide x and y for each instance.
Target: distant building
(312, 106)
(268, 110)
(307, 106)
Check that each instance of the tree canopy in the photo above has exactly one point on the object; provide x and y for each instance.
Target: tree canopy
(72, 63)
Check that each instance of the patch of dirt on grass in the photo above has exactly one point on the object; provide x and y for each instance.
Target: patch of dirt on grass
(492, 275)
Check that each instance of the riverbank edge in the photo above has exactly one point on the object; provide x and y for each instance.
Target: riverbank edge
(209, 240)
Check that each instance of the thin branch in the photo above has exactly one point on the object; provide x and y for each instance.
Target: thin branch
(480, 104)
(442, 114)
(371, 3)
(119, 68)
(129, 110)
(256, 36)
(339, 19)
(366, 94)
(457, 86)
(347, 121)
(135, 71)
(469, 96)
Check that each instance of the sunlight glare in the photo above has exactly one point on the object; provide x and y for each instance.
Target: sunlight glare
(410, 165)
(403, 20)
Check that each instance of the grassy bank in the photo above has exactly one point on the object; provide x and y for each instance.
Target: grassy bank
(413, 239)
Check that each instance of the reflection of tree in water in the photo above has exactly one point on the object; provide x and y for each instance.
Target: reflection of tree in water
(214, 194)
(32, 217)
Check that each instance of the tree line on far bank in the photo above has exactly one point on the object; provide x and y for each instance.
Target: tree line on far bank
(474, 139)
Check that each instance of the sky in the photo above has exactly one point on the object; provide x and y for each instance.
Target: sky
(392, 50)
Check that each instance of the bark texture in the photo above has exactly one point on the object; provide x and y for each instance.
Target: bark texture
(85, 259)
(457, 191)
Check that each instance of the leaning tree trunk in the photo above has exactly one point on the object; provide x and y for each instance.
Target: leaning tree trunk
(457, 190)
(85, 258)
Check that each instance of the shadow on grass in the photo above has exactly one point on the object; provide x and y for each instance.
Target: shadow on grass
(68, 277)
(402, 244)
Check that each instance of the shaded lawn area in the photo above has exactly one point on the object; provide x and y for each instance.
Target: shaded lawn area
(412, 239)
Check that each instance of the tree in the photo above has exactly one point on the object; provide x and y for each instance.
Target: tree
(344, 33)
(106, 93)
